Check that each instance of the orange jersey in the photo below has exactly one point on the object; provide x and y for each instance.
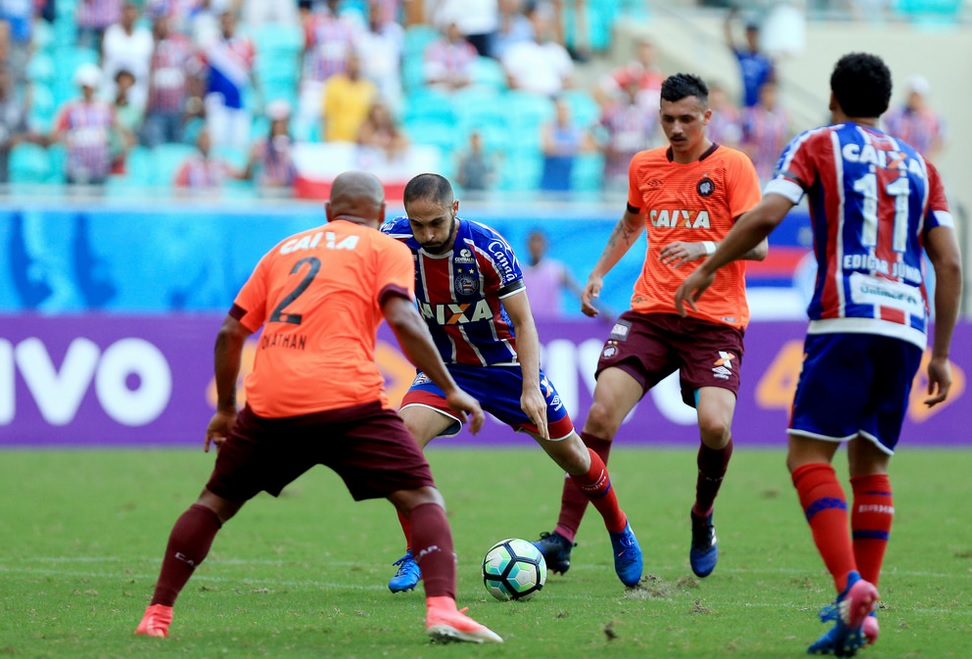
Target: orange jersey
(317, 295)
(692, 202)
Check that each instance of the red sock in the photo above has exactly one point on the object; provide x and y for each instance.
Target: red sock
(406, 529)
(573, 502)
(713, 464)
(871, 517)
(433, 550)
(825, 507)
(189, 543)
(596, 486)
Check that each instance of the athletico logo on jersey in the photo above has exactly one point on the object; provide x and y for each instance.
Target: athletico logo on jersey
(705, 187)
(609, 351)
(723, 366)
(456, 314)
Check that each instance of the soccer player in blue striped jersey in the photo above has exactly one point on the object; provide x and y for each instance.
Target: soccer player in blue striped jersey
(470, 290)
(876, 205)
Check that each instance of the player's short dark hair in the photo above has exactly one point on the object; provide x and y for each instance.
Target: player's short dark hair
(861, 83)
(683, 85)
(428, 186)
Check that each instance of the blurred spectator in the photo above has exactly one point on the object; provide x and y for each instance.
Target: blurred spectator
(755, 67)
(631, 126)
(127, 46)
(546, 279)
(230, 62)
(93, 18)
(514, 27)
(916, 122)
(562, 139)
(383, 41)
(724, 127)
(201, 171)
(449, 60)
(577, 42)
(272, 158)
(765, 131)
(642, 69)
(85, 126)
(128, 120)
(475, 170)
(13, 121)
(539, 66)
(174, 86)
(328, 39)
(347, 99)
(18, 17)
(476, 20)
(382, 134)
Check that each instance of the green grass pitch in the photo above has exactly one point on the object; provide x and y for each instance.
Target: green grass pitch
(305, 575)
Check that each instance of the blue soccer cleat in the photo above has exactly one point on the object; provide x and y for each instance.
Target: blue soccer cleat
(556, 551)
(408, 574)
(849, 612)
(627, 556)
(704, 553)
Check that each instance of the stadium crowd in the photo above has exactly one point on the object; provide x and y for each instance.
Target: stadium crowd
(207, 94)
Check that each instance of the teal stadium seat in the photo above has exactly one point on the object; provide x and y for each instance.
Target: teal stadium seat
(40, 68)
(588, 172)
(429, 105)
(57, 153)
(583, 107)
(487, 72)
(29, 163)
(40, 118)
(430, 132)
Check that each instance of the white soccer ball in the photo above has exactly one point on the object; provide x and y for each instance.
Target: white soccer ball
(514, 569)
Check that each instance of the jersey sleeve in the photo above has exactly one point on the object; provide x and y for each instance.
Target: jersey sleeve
(795, 170)
(250, 306)
(938, 213)
(505, 264)
(396, 270)
(397, 228)
(743, 187)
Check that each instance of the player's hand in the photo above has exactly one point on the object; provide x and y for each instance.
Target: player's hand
(219, 428)
(939, 381)
(466, 407)
(589, 294)
(680, 252)
(534, 405)
(691, 290)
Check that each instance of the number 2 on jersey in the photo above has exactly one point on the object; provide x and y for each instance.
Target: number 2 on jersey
(278, 315)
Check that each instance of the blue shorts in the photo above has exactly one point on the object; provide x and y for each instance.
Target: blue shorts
(498, 390)
(854, 384)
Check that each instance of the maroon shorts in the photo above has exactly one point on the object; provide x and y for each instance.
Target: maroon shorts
(366, 445)
(650, 347)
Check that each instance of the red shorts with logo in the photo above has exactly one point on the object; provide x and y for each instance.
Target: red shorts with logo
(366, 445)
(650, 347)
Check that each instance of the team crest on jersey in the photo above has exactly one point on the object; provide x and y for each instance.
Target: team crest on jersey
(466, 282)
(464, 256)
(722, 368)
(609, 351)
(705, 187)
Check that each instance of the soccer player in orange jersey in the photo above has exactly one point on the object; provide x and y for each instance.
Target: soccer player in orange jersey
(687, 195)
(315, 396)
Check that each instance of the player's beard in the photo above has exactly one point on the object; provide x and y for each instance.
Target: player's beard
(444, 246)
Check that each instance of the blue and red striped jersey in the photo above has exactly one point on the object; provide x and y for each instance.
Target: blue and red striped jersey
(872, 199)
(460, 293)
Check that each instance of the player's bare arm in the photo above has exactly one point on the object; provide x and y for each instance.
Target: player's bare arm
(532, 401)
(680, 252)
(625, 234)
(943, 252)
(416, 342)
(746, 235)
(228, 356)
